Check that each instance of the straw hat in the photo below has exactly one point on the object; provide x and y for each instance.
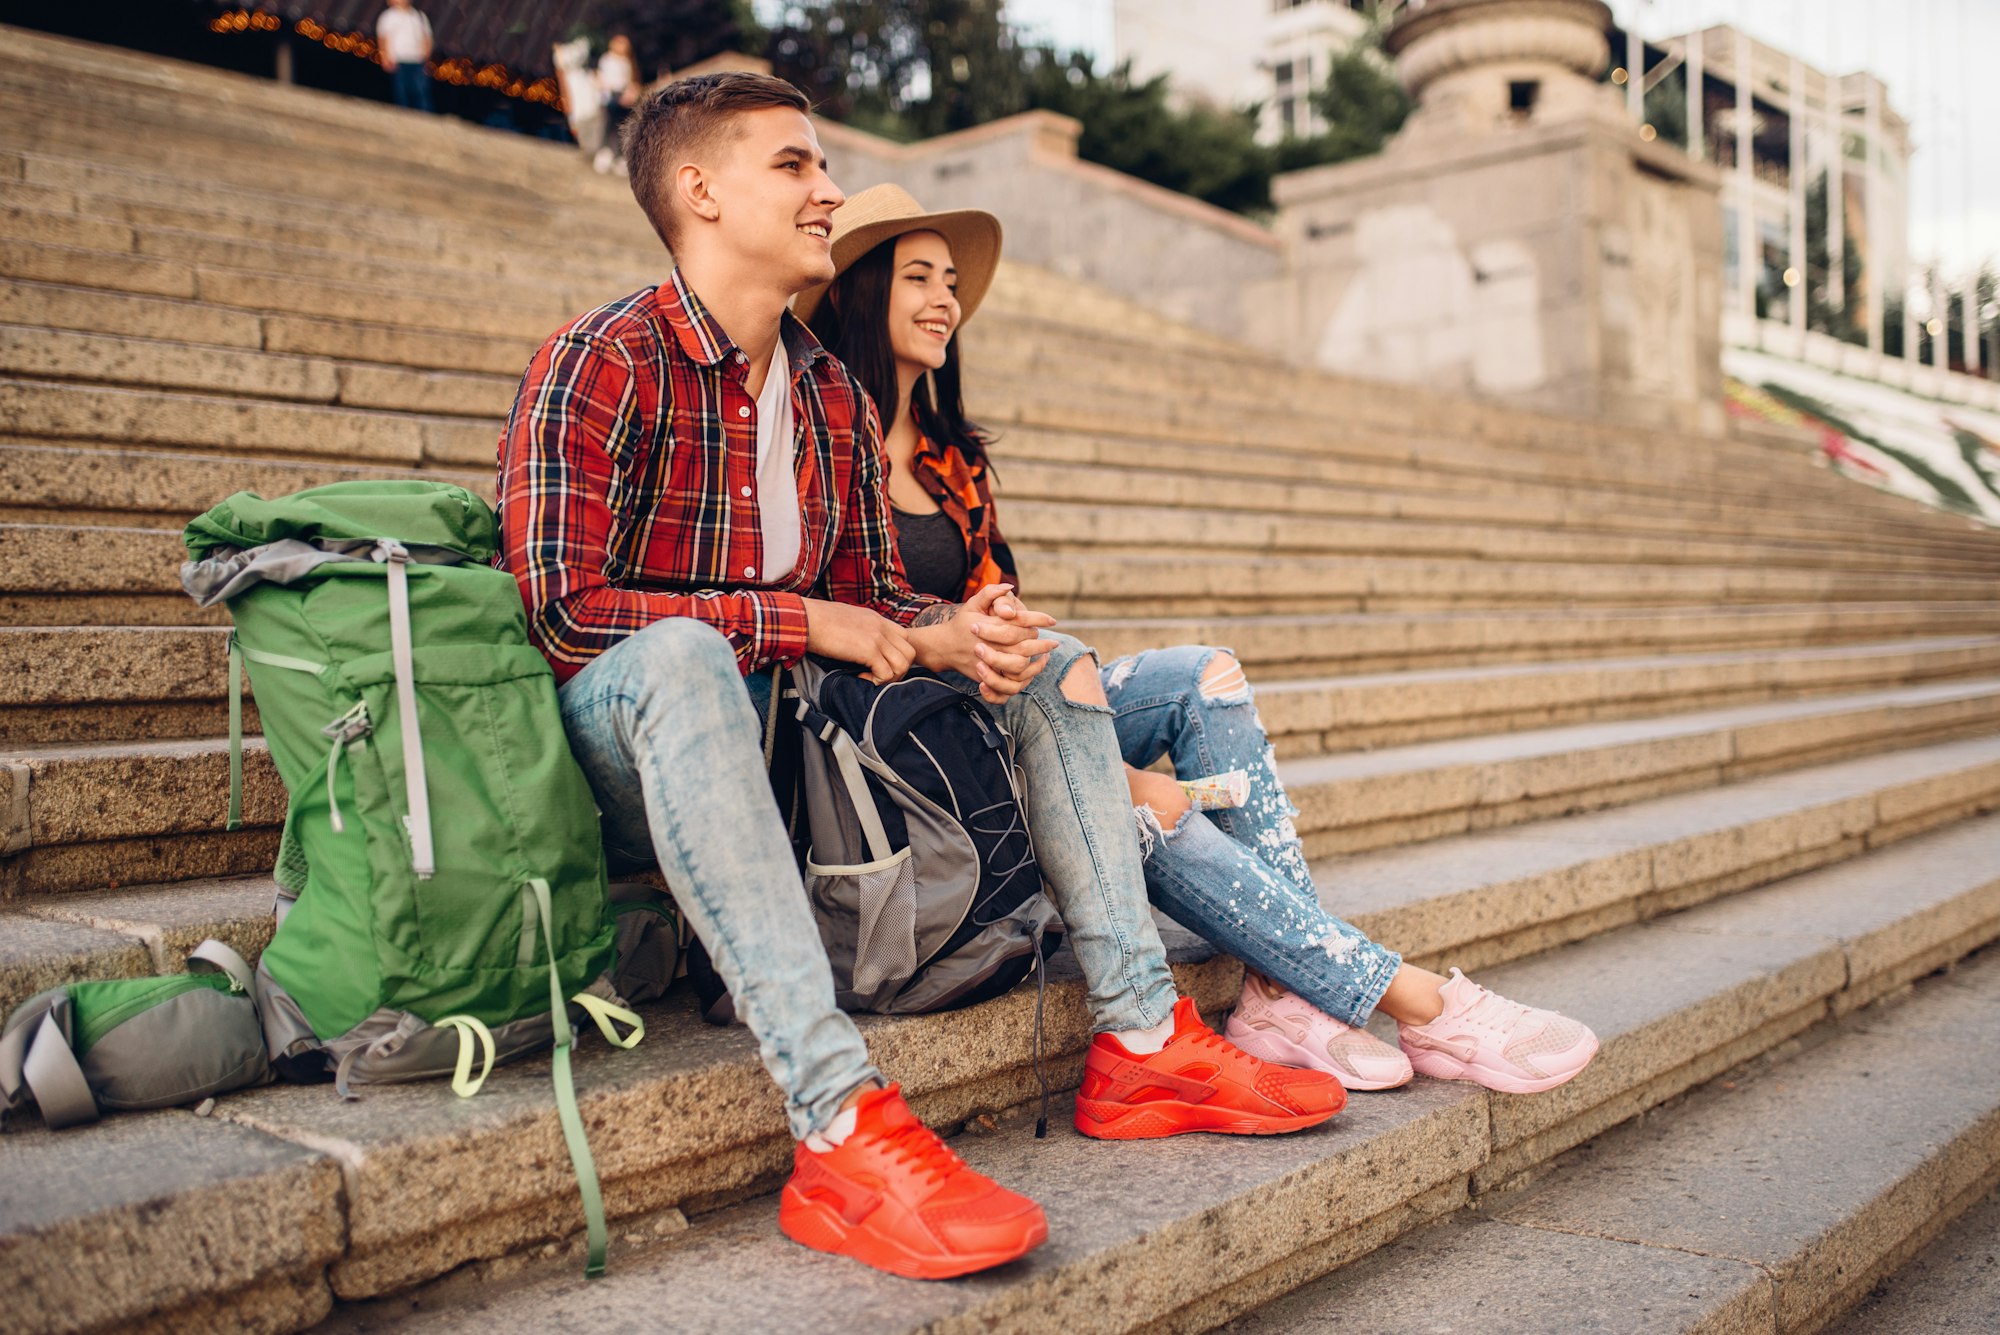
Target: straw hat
(880, 212)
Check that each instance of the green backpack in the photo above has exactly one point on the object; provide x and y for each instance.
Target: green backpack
(441, 875)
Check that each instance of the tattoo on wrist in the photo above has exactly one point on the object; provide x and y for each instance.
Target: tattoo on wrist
(935, 615)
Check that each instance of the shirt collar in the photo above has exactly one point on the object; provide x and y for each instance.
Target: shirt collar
(704, 341)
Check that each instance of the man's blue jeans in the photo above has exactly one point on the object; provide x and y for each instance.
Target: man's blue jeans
(670, 738)
(674, 752)
(410, 86)
(1237, 877)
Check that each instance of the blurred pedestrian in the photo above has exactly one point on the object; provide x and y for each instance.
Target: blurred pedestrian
(618, 81)
(403, 36)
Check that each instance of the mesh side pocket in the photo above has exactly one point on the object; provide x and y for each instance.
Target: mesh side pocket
(883, 898)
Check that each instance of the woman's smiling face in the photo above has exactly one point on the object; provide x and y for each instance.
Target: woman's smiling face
(923, 301)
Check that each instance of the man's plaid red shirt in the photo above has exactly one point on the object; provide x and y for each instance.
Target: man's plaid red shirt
(628, 487)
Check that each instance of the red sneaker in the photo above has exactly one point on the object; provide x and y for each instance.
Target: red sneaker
(1198, 1082)
(894, 1197)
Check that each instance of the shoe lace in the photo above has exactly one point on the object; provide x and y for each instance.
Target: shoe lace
(1495, 1010)
(918, 1146)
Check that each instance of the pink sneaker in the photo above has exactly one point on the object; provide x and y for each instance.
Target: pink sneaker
(1495, 1042)
(1280, 1026)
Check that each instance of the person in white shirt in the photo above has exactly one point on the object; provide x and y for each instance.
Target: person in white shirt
(618, 81)
(403, 36)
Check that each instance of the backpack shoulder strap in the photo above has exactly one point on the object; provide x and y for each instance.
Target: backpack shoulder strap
(55, 1078)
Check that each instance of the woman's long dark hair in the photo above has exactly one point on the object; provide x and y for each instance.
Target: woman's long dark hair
(853, 323)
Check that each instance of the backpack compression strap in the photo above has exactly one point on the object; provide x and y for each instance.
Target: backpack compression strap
(416, 788)
(535, 903)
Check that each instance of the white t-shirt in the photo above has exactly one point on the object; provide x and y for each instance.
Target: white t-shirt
(777, 478)
(614, 74)
(405, 34)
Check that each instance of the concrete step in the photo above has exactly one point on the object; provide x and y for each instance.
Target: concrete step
(1403, 795)
(1287, 647)
(42, 564)
(1952, 1284)
(1472, 900)
(116, 351)
(135, 812)
(686, 1119)
(1496, 895)
(1019, 397)
(1311, 716)
(1183, 1234)
(47, 410)
(66, 483)
(100, 683)
(1075, 585)
(1773, 1201)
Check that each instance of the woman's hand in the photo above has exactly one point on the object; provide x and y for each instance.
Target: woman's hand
(990, 638)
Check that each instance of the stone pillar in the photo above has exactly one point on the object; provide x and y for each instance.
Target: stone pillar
(1518, 239)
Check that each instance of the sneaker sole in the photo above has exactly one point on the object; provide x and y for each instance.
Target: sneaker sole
(1102, 1120)
(1439, 1066)
(820, 1227)
(1277, 1048)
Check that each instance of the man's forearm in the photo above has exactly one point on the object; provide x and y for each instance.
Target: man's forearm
(935, 615)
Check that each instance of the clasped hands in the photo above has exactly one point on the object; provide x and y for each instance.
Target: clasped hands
(991, 638)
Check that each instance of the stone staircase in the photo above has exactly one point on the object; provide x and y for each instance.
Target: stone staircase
(1681, 735)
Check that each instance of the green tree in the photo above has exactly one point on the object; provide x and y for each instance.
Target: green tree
(1132, 127)
(1362, 102)
(1666, 108)
(671, 34)
(908, 69)
(1822, 313)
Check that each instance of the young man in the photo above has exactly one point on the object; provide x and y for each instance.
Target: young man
(691, 489)
(403, 37)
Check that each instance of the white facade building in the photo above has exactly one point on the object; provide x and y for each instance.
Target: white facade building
(1838, 129)
(1233, 53)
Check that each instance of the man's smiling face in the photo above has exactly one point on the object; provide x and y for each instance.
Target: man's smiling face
(768, 178)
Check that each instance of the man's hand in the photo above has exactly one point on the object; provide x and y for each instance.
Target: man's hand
(857, 635)
(990, 638)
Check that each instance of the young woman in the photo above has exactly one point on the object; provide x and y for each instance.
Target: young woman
(906, 281)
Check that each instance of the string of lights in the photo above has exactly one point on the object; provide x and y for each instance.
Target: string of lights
(458, 71)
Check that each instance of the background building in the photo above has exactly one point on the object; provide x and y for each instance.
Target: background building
(1799, 149)
(1272, 53)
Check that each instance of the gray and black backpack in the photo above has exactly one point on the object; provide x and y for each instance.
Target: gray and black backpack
(906, 816)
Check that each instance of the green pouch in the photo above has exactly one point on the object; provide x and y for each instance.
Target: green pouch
(78, 1050)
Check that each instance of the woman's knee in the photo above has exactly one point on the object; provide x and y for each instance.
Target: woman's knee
(1222, 680)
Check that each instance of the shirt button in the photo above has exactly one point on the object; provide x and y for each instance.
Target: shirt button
(749, 572)
(746, 491)
(744, 411)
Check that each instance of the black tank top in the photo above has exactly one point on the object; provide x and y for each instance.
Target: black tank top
(933, 552)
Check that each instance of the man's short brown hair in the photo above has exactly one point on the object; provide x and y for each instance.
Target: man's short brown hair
(687, 117)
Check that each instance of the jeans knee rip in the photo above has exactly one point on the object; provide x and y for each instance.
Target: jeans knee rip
(1227, 687)
(1152, 833)
(1122, 670)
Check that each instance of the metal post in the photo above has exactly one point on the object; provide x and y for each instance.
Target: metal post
(1635, 71)
(1691, 66)
(1972, 325)
(1749, 252)
(1795, 177)
(1871, 203)
(1941, 312)
(1836, 199)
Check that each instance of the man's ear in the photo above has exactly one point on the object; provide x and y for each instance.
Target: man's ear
(691, 190)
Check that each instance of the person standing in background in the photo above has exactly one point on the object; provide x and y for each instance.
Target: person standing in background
(403, 35)
(618, 78)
